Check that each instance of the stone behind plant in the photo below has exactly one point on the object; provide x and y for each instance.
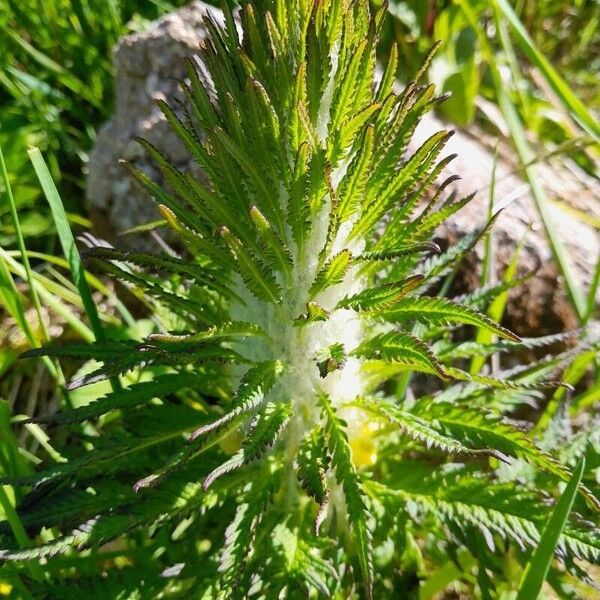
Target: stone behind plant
(148, 66)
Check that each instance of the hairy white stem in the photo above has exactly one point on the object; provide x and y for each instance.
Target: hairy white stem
(299, 347)
(323, 117)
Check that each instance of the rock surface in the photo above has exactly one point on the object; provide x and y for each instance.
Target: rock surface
(148, 66)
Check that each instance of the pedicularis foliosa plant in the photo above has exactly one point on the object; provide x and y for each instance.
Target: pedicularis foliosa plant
(275, 443)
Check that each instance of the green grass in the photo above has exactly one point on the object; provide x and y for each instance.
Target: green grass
(538, 566)
(21, 245)
(11, 465)
(67, 240)
(56, 89)
(561, 88)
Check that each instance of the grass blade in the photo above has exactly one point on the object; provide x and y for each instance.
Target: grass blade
(67, 240)
(557, 247)
(9, 451)
(11, 301)
(65, 77)
(525, 156)
(54, 296)
(22, 249)
(566, 95)
(488, 270)
(594, 286)
(539, 563)
(95, 283)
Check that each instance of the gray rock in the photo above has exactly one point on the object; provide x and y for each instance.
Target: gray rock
(148, 66)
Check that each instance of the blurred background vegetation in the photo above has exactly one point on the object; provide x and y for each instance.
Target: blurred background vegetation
(567, 34)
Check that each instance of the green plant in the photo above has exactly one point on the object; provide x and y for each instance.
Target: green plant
(530, 94)
(537, 568)
(56, 89)
(500, 51)
(285, 338)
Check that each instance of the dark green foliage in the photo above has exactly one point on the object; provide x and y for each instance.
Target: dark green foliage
(347, 477)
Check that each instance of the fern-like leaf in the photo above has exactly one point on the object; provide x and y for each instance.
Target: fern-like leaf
(312, 467)
(483, 429)
(379, 298)
(240, 533)
(425, 431)
(508, 510)
(250, 394)
(348, 478)
(127, 398)
(405, 349)
(257, 276)
(440, 311)
(265, 433)
(332, 273)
